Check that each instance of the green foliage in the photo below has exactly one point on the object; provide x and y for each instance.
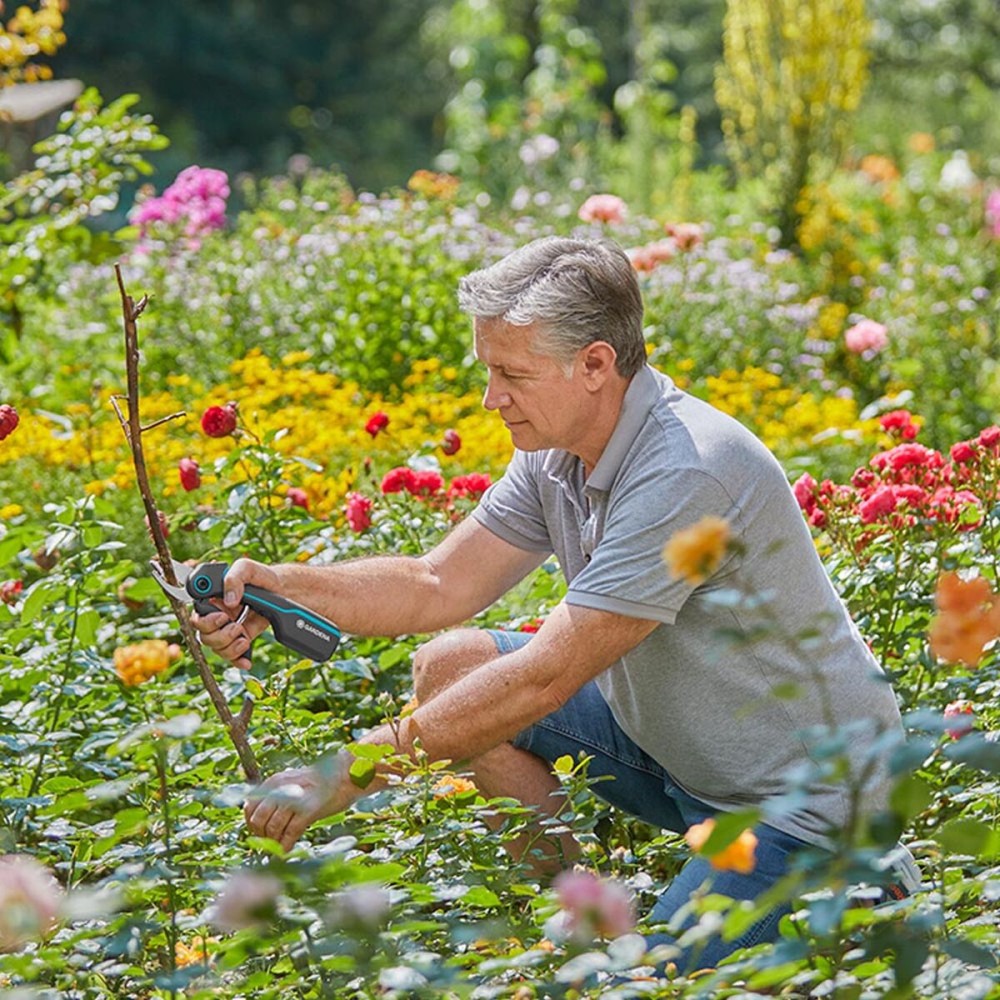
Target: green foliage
(77, 176)
(793, 74)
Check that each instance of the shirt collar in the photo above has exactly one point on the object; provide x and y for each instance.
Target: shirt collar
(646, 387)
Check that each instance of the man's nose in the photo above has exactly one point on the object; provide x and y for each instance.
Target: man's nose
(494, 398)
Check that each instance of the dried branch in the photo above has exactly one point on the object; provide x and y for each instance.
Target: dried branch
(133, 429)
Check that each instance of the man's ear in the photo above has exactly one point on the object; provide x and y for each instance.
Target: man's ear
(598, 360)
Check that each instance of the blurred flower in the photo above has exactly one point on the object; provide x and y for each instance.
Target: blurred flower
(450, 442)
(8, 420)
(450, 784)
(474, 485)
(593, 906)
(433, 185)
(137, 663)
(537, 149)
(218, 421)
(805, 491)
(425, 483)
(695, 553)
(297, 497)
(737, 856)
(377, 422)
(195, 953)
(962, 717)
(989, 437)
(878, 169)
(963, 451)
(649, 256)
(361, 908)
(968, 618)
(957, 174)
(10, 590)
(196, 201)
(161, 520)
(30, 899)
(603, 208)
(399, 479)
(190, 474)
(901, 423)
(866, 335)
(992, 213)
(686, 235)
(921, 143)
(245, 900)
(358, 511)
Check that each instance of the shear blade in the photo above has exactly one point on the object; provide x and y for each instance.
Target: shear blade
(181, 572)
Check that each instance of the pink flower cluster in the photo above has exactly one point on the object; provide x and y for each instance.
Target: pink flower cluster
(603, 208)
(909, 484)
(681, 237)
(992, 212)
(195, 201)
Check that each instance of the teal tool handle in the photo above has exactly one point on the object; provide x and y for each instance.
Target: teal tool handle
(301, 630)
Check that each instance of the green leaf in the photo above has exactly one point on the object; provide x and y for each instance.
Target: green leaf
(38, 595)
(966, 835)
(479, 895)
(87, 624)
(362, 773)
(911, 797)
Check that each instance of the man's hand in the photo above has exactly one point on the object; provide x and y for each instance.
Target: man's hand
(230, 632)
(286, 803)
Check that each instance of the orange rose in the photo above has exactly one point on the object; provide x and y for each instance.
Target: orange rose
(968, 618)
(695, 553)
(135, 664)
(737, 856)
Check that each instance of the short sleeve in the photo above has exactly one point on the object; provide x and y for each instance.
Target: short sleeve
(626, 573)
(512, 507)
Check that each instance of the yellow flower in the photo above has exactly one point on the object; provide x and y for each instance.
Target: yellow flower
(737, 856)
(10, 510)
(695, 553)
(135, 664)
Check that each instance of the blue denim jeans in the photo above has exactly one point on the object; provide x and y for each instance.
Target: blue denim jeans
(643, 788)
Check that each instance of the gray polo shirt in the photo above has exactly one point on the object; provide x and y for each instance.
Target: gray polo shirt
(720, 694)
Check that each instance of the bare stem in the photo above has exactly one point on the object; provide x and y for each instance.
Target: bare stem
(235, 724)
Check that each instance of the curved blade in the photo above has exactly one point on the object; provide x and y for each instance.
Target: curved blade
(181, 572)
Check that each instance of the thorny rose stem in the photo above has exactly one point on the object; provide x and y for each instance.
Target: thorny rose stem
(133, 430)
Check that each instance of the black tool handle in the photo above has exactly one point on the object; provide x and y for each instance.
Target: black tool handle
(301, 630)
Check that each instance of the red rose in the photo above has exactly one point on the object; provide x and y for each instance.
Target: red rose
(218, 421)
(377, 423)
(297, 497)
(9, 590)
(426, 483)
(451, 442)
(963, 451)
(805, 492)
(358, 512)
(989, 437)
(398, 479)
(882, 501)
(8, 420)
(473, 485)
(190, 474)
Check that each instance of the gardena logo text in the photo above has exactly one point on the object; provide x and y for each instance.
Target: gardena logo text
(300, 623)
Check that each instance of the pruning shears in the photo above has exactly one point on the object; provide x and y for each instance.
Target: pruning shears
(301, 630)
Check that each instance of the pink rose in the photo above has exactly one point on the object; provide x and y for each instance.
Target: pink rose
(603, 208)
(594, 906)
(30, 899)
(358, 511)
(805, 492)
(866, 335)
(882, 501)
(992, 212)
(297, 497)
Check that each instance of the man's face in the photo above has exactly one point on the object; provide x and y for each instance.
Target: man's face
(541, 405)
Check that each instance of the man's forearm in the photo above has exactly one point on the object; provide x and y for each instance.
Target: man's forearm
(379, 595)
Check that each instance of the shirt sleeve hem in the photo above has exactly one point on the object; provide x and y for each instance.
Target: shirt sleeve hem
(502, 530)
(631, 609)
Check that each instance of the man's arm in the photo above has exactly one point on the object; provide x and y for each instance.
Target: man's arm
(380, 595)
(487, 707)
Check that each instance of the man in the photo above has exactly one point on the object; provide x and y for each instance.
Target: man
(634, 667)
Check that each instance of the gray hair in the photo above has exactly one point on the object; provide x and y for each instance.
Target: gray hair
(579, 291)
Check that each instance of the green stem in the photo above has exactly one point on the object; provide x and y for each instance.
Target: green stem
(161, 772)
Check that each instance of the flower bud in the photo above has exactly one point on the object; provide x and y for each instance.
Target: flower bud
(218, 421)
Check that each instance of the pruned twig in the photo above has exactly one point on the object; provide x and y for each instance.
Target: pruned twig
(236, 724)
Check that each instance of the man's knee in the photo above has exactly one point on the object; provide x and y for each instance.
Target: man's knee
(447, 658)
